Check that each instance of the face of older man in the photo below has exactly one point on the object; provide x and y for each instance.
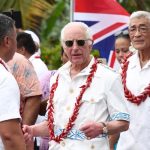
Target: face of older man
(76, 45)
(139, 30)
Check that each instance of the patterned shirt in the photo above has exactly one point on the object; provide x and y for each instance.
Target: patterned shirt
(25, 76)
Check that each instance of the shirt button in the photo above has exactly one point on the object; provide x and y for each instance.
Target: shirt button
(63, 143)
(68, 108)
(92, 147)
(71, 91)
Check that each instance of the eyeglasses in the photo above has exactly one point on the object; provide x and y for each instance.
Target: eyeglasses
(122, 33)
(141, 29)
(69, 43)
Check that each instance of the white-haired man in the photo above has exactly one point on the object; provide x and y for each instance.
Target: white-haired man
(136, 81)
(84, 105)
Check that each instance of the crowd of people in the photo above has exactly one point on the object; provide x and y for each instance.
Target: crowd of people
(82, 105)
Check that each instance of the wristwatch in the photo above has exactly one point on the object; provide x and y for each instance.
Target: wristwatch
(105, 129)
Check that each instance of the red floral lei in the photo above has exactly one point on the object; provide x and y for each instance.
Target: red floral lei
(131, 97)
(76, 108)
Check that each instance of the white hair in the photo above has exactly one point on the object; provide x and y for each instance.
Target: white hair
(140, 14)
(81, 24)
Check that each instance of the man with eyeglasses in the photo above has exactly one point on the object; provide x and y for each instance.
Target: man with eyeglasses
(86, 101)
(136, 81)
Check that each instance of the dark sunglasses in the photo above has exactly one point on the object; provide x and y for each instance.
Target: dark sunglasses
(69, 43)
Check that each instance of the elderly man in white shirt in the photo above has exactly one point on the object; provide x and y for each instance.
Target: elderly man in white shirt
(86, 98)
(136, 80)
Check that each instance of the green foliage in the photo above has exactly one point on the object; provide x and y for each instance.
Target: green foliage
(52, 17)
(50, 34)
(134, 5)
(52, 56)
(95, 53)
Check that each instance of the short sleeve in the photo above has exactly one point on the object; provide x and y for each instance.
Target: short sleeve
(9, 96)
(116, 101)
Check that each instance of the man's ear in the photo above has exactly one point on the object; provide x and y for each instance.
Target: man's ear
(6, 41)
(91, 44)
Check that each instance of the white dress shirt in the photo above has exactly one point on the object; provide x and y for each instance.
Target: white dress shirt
(104, 100)
(39, 66)
(138, 135)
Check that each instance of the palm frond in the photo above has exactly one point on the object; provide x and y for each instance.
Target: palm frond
(52, 17)
(35, 13)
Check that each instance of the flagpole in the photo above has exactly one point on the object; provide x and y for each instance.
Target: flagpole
(71, 10)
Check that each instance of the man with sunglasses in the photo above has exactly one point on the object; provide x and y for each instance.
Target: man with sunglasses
(86, 101)
(136, 81)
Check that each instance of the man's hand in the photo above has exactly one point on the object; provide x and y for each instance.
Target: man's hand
(92, 129)
(28, 133)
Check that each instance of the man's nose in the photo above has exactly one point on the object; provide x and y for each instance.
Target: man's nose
(121, 54)
(75, 45)
(137, 32)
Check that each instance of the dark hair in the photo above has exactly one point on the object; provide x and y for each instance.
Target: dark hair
(25, 40)
(122, 34)
(6, 26)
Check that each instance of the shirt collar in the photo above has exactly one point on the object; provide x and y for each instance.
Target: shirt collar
(4, 64)
(66, 68)
(135, 61)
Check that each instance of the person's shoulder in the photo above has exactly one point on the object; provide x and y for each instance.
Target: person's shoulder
(132, 56)
(5, 75)
(105, 68)
(64, 67)
(20, 65)
(19, 59)
(107, 73)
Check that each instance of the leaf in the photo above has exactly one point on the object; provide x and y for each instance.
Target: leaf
(53, 16)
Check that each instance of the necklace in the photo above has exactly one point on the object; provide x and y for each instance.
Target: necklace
(128, 94)
(76, 108)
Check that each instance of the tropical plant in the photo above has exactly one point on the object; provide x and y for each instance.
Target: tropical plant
(133, 5)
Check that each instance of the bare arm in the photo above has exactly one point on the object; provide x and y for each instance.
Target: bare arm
(113, 139)
(31, 110)
(43, 106)
(40, 129)
(11, 135)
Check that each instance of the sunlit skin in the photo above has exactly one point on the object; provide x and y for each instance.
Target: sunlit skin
(122, 48)
(141, 41)
(79, 56)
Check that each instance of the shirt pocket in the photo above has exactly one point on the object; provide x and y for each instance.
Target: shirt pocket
(93, 106)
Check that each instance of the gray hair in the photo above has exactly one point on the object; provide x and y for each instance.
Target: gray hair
(6, 26)
(140, 14)
(81, 24)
